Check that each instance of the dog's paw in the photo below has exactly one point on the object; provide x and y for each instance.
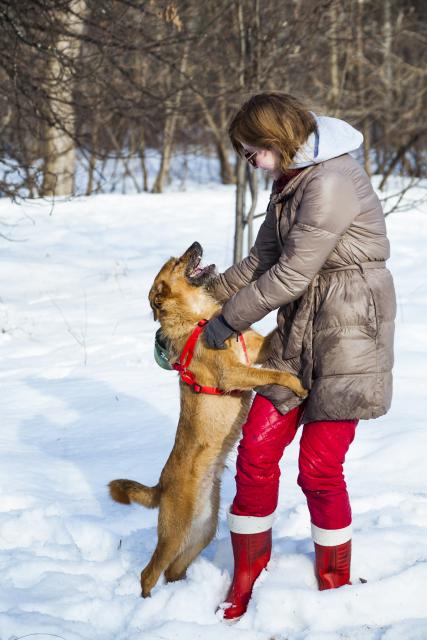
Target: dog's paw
(292, 382)
(300, 391)
(147, 582)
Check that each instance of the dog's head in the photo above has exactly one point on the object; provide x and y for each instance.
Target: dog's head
(177, 282)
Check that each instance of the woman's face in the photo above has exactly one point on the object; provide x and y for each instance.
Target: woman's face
(266, 159)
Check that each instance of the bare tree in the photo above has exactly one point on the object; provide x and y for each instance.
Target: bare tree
(172, 107)
(101, 85)
(60, 151)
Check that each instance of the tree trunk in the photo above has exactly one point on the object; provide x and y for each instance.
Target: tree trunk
(241, 163)
(334, 91)
(169, 128)
(362, 88)
(227, 173)
(251, 174)
(141, 153)
(92, 156)
(253, 185)
(91, 173)
(60, 150)
(388, 76)
(249, 56)
(240, 208)
(142, 70)
(226, 169)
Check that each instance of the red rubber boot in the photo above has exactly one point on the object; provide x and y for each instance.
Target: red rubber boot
(251, 541)
(333, 565)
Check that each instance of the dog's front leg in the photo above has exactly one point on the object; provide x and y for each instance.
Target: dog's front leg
(241, 377)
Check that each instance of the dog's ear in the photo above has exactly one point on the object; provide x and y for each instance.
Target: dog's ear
(158, 295)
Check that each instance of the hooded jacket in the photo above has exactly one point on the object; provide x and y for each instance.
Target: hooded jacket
(319, 259)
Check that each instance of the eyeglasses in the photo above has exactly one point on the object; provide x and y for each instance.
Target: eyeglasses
(250, 157)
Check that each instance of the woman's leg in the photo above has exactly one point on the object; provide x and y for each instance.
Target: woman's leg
(323, 448)
(265, 435)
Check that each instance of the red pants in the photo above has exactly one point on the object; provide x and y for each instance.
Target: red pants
(323, 446)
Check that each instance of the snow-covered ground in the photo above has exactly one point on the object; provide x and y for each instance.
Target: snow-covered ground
(83, 402)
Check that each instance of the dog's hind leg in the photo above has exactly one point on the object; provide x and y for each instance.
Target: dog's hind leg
(202, 531)
(161, 558)
(258, 346)
(178, 569)
(173, 530)
(197, 542)
(167, 549)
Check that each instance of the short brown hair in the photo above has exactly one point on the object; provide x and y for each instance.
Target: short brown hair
(272, 120)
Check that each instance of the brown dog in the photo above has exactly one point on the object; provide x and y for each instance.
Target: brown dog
(188, 491)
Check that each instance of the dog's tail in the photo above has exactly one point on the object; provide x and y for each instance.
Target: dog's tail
(127, 491)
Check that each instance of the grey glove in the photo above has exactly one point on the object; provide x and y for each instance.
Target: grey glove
(216, 332)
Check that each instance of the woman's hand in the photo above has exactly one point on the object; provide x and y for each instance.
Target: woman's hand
(216, 332)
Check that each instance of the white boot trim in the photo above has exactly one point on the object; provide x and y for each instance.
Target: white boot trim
(330, 537)
(249, 524)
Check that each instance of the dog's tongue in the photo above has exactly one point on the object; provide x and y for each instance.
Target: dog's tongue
(199, 270)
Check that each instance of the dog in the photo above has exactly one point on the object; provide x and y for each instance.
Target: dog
(188, 491)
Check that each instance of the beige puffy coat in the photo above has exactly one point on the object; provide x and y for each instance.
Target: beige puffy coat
(319, 258)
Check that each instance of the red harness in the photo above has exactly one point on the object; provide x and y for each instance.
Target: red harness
(182, 364)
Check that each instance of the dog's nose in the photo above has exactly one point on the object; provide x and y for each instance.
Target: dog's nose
(196, 246)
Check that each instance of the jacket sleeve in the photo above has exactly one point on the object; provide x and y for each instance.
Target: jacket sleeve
(328, 206)
(262, 256)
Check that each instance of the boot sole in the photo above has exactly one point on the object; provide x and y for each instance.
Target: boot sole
(231, 621)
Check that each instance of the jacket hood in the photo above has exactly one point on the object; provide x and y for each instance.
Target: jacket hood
(332, 138)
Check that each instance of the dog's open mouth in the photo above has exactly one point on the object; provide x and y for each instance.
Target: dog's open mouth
(196, 274)
(199, 275)
(198, 270)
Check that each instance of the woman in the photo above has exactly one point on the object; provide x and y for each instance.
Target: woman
(319, 258)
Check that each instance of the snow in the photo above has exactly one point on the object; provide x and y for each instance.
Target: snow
(83, 402)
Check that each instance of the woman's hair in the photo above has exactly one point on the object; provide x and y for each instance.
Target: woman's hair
(272, 120)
